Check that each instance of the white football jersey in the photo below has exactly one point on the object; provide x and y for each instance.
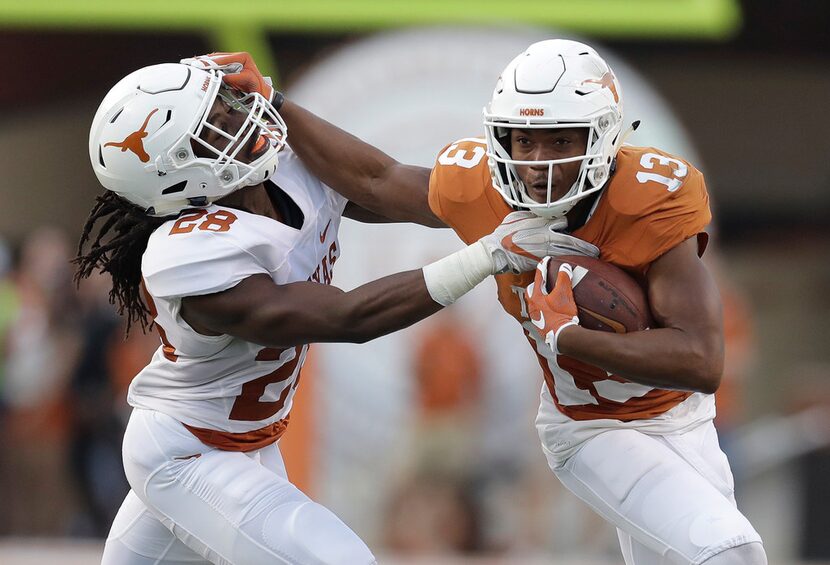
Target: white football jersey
(240, 390)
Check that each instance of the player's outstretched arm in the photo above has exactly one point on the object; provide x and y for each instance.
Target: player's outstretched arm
(260, 311)
(685, 351)
(362, 173)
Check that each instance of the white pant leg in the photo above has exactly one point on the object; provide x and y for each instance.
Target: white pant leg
(669, 496)
(271, 458)
(137, 537)
(227, 506)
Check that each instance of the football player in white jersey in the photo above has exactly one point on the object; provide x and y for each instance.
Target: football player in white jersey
(625, 419)
(230, 256)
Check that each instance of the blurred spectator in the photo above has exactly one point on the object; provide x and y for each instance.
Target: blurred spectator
(8, 308)
(433, 515)
(8, 311)
(435, 510)
(448, 373)
(95, 443)
(63, 384)
(812, 395)
(41, 347)
(740, 356)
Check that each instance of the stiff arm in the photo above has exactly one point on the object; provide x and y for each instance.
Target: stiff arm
(362, 173)
(259, 311)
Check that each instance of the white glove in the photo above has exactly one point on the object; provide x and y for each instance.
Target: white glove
(523, 239)
(517, 244)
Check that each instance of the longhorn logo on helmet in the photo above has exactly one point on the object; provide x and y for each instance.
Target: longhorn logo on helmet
(606, 81)
(135, 141)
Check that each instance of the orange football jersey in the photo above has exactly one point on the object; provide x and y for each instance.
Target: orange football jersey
(653, 202)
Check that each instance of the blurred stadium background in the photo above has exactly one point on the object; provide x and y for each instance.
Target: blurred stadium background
(424, 441)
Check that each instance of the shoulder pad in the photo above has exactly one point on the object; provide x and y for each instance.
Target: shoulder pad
(461, 190)
(647, 178)
(653, 202)
(459, 171)
(202, 252)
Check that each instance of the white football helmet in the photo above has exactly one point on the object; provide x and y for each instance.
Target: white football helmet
(554, 84)
(143, 136)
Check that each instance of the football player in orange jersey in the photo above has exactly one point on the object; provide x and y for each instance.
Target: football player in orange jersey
(625, 419)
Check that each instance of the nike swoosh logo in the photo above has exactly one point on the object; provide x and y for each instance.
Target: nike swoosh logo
(613, 324)
(513, 221)
(323, 233)
(195, 456)
(540, 323)
(508, 245)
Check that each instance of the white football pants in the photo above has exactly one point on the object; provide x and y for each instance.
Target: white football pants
(191, 503)
(670, 496)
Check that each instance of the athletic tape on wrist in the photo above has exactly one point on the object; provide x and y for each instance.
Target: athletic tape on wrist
(455, 275)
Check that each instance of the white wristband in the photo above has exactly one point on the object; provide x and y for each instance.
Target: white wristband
(450, 278)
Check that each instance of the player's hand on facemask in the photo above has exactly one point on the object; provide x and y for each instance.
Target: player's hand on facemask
(523, 238)
(239, 69)
(551, 311)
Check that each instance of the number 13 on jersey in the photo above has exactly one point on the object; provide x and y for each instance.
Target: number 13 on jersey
(677, 169)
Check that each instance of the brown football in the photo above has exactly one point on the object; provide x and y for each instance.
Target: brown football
(607, 298)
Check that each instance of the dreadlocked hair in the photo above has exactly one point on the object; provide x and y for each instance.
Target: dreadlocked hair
(117, 249)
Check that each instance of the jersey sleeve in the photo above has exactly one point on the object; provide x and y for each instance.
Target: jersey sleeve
(675, 220)
(461, 193)
(197, 263)
(438, 182)
(681, 219)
